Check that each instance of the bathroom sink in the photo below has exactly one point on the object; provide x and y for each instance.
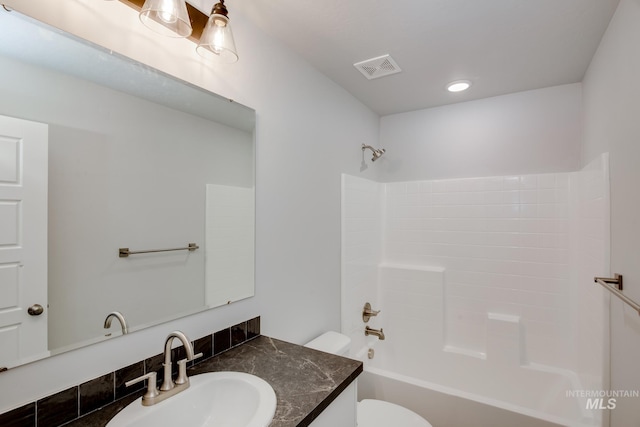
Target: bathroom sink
(216, 399)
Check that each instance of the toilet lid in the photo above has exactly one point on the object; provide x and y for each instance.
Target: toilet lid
(378, 413)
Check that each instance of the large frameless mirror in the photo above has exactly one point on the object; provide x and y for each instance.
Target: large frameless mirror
(138, 163)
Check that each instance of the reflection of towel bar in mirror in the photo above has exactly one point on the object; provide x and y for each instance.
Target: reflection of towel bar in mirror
(125, 252)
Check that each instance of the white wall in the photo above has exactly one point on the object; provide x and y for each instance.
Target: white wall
(537, 131)
(309, 130)
(611, 123)
(230, 242)
(362, 243)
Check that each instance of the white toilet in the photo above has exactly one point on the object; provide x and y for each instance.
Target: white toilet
(371, 412)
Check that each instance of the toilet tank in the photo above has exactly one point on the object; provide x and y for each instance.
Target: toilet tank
(331, 342)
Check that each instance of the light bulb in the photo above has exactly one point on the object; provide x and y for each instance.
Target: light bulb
(166, 17)
(218, 39)
(167, 12)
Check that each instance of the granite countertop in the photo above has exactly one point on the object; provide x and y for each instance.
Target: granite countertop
(305, 381)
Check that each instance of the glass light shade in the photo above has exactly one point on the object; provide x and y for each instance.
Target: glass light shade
(167, 17)
(217, 39)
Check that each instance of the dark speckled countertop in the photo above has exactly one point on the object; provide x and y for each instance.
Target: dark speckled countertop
(305, 381)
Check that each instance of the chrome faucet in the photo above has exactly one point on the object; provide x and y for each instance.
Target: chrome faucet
(120, 317)
(376, 332)
(168, 387)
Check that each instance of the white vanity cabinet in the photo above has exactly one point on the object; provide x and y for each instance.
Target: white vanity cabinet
(341, 412)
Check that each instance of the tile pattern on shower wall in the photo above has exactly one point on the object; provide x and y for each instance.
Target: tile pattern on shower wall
(504, 242)
(361, 248)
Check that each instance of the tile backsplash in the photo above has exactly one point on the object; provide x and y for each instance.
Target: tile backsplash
(75, 402)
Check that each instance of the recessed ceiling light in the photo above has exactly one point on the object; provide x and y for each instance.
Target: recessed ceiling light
(458, 85)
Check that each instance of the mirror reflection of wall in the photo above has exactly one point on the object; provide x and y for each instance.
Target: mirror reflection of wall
(230, 223)
(128, 172)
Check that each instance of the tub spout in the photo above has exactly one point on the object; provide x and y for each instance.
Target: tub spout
(378, 333)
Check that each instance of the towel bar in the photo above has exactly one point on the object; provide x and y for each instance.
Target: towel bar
(125, 252)
(615, 286)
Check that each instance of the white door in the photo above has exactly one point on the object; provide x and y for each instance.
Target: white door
(23, 241)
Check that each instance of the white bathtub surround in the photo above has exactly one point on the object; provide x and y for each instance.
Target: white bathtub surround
(504, 244)
(505, 340)
(485, 286)
(414, 305)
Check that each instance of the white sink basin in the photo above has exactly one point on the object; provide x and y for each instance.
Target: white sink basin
(216, 399)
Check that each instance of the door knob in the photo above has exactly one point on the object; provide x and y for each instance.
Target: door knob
(35, 310)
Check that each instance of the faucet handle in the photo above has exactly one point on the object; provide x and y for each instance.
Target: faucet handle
(152, 389)
(182, 372)
(368, 313)
(182, 369)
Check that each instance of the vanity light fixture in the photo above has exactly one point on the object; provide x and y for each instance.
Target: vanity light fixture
(217, 38)
(166, 17)
(177, 18)
(459, 86)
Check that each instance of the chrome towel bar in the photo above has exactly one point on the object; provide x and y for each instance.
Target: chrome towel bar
(615, 286)
(125, 252)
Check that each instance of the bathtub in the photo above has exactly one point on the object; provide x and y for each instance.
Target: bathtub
(475, 395)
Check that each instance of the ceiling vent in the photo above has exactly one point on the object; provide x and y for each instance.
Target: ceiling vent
(378, 67)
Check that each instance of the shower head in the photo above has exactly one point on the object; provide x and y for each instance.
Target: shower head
(377, 153)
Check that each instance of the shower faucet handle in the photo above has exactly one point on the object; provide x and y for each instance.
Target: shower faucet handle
(368, 313)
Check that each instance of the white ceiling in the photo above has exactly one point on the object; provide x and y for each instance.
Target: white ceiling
(502, 46)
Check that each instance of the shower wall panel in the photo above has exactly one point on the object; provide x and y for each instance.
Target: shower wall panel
(504, 243)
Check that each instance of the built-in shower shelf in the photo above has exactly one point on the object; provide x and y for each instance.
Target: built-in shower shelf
(465, 352)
